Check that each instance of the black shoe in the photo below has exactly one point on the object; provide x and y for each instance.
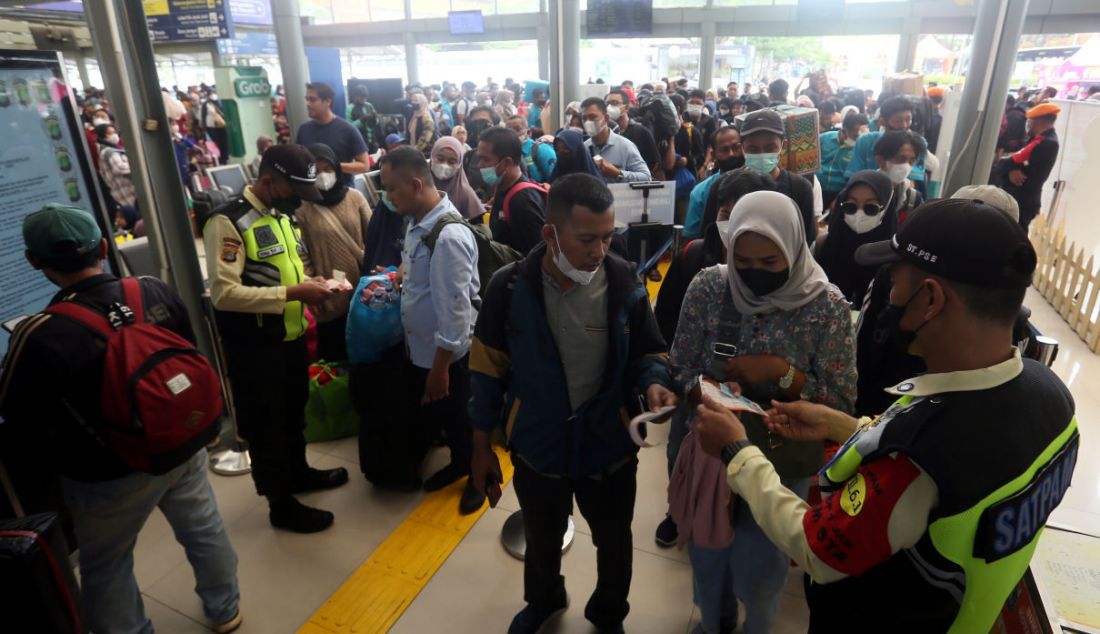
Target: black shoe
(530, 621)
(318, 479)
(290, 514)
(472, 499)
(443, 477)
(666, 533)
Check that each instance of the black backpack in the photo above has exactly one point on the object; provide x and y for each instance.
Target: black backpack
(491, 255)
(659, 115)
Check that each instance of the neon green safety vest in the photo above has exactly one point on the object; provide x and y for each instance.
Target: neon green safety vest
(273, 248)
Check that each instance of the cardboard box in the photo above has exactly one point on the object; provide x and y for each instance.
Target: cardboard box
(904, 84)
(803, 153)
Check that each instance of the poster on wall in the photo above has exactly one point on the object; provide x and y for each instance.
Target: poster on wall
(43, 159)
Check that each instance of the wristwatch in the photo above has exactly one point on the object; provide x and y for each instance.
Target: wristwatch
(787, 380)
(730, 450)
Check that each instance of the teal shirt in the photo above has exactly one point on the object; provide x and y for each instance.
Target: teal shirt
(864, 157)
(835, 157)
(697, 204)
(540, 166)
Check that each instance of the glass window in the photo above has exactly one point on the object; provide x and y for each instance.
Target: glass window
(430, 8)
(457, 63)
(320, 10)
(518, 6)
(639, 59)
(380, 10)
(374, 61)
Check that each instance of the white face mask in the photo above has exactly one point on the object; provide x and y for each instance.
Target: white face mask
(723, 111)
(723, 230)
(862, 223)
(695, 109)
(593, 128)
(100, 121)
(442, 171)
(898, 172)
(584, 278)
(111, 138)
(849, 142)
(326, 181)
(614, 112)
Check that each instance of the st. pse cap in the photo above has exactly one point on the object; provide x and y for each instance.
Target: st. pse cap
(295, 163)
(765, 120)
(58, 231)
(965, 241)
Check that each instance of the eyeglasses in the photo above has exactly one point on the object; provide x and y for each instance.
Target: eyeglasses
(871, 209)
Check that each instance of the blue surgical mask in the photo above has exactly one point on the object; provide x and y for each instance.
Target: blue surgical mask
(762, 163)
(489, 176)
(387, 202)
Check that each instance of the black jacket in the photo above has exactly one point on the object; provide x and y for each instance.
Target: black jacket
(1037, 169)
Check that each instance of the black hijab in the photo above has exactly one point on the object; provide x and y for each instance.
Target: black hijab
(837, 254)
(336, 195)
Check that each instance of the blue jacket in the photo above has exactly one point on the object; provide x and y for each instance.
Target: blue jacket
(517, 380)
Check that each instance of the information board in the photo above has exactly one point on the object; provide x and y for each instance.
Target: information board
(188, 20)
(43, 159)
(619, 17)
(630, 202)
(250, 11)
(249, 43)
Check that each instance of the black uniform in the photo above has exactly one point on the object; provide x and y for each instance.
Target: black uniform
(1041, 153)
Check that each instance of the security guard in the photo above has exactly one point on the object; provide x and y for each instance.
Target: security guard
(253, 254)
(931, 511)
(1023, 174)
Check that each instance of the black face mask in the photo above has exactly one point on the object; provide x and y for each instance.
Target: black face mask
(730, 164)
(891, 317)
(474, 130)
(287, 205)
(762, 282)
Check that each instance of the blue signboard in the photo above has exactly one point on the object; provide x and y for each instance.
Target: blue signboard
(188, 20)
(249, 43)
(251, 11)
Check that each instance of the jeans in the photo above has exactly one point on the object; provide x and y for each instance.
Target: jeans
(752, 569)
(108, 517)
(607, 503)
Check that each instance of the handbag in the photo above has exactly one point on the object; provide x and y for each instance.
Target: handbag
(792, 459)
(329, 412)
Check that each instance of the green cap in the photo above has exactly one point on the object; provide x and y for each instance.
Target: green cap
(60, 231)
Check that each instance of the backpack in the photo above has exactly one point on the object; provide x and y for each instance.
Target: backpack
(659, 115)
(491, 255)
(160, 396)
(543, 188)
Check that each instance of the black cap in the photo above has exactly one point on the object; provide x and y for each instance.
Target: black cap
(765, 120)
(965, 241)
(294, 163)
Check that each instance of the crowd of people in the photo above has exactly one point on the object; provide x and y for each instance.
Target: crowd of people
(524, 322)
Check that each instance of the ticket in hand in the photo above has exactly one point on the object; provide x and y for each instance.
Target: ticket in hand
(722, 394)
(647, 430)
(339, 281)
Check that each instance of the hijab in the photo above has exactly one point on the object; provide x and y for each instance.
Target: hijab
(457, 187)
(774, 216)
(336, 195)
(580, 161)
(837, 254)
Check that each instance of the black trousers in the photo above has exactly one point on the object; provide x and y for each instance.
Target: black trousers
(331, 340)
(270, 384)
(607, 503)
(448, 414)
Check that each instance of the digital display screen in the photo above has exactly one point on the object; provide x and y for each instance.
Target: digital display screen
(619, 17)
(466, 22)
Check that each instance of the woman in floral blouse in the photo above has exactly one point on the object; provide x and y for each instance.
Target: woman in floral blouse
(769, 321)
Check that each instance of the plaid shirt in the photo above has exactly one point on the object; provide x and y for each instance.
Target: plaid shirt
(114, 167)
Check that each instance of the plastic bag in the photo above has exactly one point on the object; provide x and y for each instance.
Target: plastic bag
(374, 317)
(329, 412)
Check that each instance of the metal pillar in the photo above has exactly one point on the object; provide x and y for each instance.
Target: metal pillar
(121, 39)
(82, 69)
(993, 52)
(412, 64)
(706, 56)
(292, 60)
(542, 42)
(907, 46)
(565, 55)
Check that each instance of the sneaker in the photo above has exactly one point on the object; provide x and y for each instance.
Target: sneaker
(530, 621)
(290, 514)
(443, 477)
(318, 479)
(666, 533)
(229, 626)
(472, 499)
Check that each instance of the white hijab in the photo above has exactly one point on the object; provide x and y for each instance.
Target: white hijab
(774, 216)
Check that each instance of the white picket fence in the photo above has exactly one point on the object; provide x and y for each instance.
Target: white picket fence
(1068, 281)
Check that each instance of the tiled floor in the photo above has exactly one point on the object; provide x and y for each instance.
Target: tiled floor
(285, 578)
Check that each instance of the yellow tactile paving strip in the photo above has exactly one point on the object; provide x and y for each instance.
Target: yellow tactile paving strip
(380, 590)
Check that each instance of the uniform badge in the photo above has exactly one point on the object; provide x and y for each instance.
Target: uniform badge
(229, 250)
(265, 237)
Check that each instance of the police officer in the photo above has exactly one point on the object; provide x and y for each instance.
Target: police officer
(931, 511)
(253, 253)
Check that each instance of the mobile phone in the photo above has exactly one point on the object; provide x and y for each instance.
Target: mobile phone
(10, 324)
(725, 350)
